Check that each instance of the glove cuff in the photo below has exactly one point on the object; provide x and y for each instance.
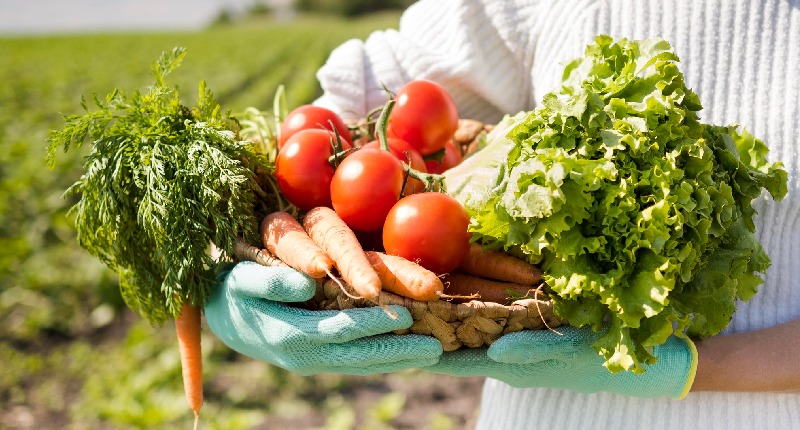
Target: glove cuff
(672, 375)
(692, 368)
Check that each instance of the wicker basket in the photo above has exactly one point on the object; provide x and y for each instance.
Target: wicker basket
(472, 324)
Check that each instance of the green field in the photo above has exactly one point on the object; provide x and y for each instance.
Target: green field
(73, 356)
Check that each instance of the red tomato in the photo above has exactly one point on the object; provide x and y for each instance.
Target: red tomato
(452, 156)
(430, 228)
(310, 116)
(303, 171)
(405, 152)
(424, 115)
(365, 187)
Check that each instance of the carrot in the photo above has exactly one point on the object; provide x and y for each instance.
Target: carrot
(328, 231)
(286, 239)
(465, 286)
(499, 266)
(187, 326)
(405, 278)
(247, 252)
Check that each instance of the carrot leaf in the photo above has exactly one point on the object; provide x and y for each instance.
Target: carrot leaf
(162, 182)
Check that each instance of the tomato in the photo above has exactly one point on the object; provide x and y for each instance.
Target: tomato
(452, 157)
(408, 155)
(365, 187)
(303, 171)
(424, 115)
(430, 228)
(310, 116)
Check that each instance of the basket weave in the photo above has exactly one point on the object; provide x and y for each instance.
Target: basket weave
(472, 324)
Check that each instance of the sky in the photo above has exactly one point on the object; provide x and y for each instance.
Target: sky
(70, 16)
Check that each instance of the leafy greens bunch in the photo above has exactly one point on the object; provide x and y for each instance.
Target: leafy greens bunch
(162, 182)
(639, 214)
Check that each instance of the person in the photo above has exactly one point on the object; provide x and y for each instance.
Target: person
(500, 57)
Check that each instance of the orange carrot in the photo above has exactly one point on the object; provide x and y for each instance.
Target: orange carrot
(464, 286)
(187, 326)
(405, 278)
(328, 231)
(247, 252)
(286, 239)
(499, 266)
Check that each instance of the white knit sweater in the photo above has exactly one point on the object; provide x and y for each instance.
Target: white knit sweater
(742, 58)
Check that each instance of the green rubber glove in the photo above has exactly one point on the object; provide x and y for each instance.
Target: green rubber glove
(543, 358)
(249, 312)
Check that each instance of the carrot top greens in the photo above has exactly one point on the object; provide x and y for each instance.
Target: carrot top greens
(162, 182)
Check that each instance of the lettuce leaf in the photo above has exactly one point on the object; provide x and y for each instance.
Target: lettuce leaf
(639, 214)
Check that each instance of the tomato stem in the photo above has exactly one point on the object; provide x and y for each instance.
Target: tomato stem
(336, 143)
(279, 110)
(432, 181)
(372, 113)
(338, 155)
(383, 123)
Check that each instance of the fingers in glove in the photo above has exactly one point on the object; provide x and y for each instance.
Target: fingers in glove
(236, 315)
(302, 325)
(282, 284)
(464, 362)
(376, 354)
(394, 366)
(532, 346)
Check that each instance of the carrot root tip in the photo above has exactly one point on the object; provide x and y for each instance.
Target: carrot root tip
(391, 313)
(342, 286)
(536, 300)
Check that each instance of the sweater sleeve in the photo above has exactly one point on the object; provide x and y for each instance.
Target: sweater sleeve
(480, 51)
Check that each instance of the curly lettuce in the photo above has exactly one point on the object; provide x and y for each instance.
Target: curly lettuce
(639, 215)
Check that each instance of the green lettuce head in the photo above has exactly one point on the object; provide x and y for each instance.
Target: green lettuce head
(639, 214)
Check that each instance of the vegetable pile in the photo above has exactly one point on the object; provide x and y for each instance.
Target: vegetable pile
(368, 211)
(380, 187)
(638, 213)
(164, 183)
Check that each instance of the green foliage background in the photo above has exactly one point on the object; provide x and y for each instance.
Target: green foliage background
(73, 355)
